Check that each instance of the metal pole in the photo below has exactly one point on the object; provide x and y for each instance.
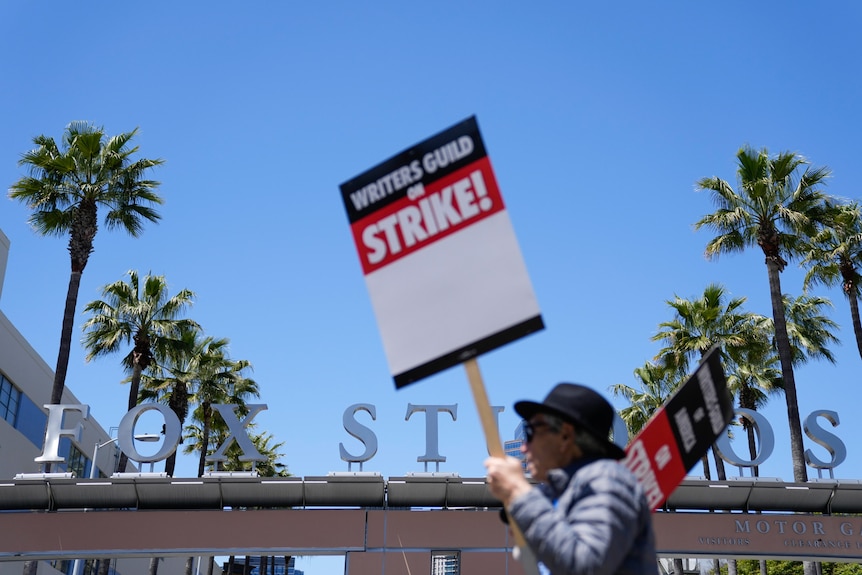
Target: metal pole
(93, 461)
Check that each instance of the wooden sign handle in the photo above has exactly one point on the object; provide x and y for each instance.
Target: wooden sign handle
(495, 448)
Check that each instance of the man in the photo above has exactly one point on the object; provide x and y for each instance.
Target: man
(590, 514)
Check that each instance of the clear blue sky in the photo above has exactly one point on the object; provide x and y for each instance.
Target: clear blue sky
(598, 119)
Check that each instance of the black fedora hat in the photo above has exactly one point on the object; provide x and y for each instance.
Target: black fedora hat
(580, 406)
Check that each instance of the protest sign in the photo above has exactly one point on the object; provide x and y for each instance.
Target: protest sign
(442, 266)
(682, 430)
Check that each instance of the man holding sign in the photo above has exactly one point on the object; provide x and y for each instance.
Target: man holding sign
(591, 514)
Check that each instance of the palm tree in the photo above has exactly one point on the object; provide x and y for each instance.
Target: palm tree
(65, 189)
(271, 467)
(657, 384)
(697, 326)
(835, 256)
(143, 315)
(219, 380)
(700, 324)
(809, 330)
(753, 371)
(173, 379)
(775, 208)
(752, 375)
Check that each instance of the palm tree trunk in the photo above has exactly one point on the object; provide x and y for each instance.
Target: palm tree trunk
(205, 438)
(66, 337)
(65, 348)
(719, 464)
(783, 343)
(857, 324)
(179, 404)
(752, 446)
(134, 391)
(705, 464)
(721, 476)
(171, 464)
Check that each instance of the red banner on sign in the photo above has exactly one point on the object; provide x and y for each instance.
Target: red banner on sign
(427, 214)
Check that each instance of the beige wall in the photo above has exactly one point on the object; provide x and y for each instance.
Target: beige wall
(374, 538)
(4, 257)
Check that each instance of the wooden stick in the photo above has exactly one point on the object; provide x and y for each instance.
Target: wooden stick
(495, 448)
(486, 415)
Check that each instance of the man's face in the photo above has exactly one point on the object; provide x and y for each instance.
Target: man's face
(544, 448)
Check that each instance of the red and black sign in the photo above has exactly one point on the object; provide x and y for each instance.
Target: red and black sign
(421, 195)
(439, 255)
(682, 430)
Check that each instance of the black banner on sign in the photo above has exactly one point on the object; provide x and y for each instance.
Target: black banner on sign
(426, 162)
(700, 410)
(681, 431)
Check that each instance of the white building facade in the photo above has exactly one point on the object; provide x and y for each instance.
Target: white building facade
(26, 381)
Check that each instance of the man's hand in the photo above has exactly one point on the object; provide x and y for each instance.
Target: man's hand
(506, 479)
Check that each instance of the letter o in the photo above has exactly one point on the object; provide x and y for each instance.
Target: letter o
(126, 433)
(763, 431)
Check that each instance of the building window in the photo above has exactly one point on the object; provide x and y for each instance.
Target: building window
(32, 421)
(10, 398)
(21, 413)
(62, 565)
(513, 446)
(445, 563)
(77, 462)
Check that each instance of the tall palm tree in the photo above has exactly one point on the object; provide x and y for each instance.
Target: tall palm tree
(835, 256)
(777, 205)
(66, 187)
(697, 326)
(140, 314)
(753, 371)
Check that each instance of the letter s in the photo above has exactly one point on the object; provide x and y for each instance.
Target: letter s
(360, 432)
(415, 171)
(373, 243)
(828, 441)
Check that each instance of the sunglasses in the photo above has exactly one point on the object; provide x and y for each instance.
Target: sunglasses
(530, 428)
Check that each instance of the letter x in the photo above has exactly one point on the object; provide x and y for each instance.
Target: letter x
(238, 432)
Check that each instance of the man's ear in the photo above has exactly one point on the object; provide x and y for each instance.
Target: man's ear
(567, 431)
